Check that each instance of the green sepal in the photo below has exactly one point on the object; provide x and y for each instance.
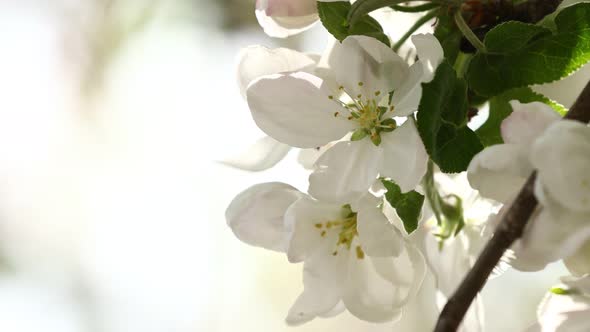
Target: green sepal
(408, 206)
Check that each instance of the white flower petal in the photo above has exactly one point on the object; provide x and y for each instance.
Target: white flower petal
(560, 313)
(580, 284)
(405, 158)
(579, 263)
(421, 312)
(257, 61)
(377, 289)
(284, 18)
(367, 295)
(551, 236)
(450, 264)
(474, 318)
(364, 65)
(322, 280)
(262, 155)
(305, 236)
(286, 8)
(562, 157)
(377, 236)
(527, 122)
(345, 172)
(308, 157)
(499, 171)
(430, 54)
(294, 110)
(406, 98)
(256, 214)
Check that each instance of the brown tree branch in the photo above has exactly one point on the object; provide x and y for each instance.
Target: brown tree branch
(509, 230)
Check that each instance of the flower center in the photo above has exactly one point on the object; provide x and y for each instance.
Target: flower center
(346, 228)
(367, 113)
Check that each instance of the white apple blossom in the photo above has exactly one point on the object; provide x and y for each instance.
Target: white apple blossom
(565, 311)
(352, 95)
(354, 258)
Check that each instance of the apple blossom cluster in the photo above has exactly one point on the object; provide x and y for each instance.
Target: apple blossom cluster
(405, 187)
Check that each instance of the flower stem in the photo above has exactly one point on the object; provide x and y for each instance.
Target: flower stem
(461, 63)
(510, 228)
(430, 15)
(468, 33)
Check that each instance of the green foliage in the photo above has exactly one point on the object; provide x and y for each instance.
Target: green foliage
(442, 121)
(489, 133)
(407, 205)
(520, 54)
(334, 18)
(449, 36)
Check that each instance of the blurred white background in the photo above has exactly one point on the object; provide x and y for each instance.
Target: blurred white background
(113, 115)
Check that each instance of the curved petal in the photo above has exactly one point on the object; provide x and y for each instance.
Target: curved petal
(287, 8)
(406, 98)
(579, 263)
(284, 18)
(303, 223)
(562, 157)
(404, 156)
(322, 282)
(449, 265)
(561, 313)
(430, 54)
(421, 312)
(527, 122)
(345, 172)
(256, 214)
(368, 295)
(499, 171)
(549, 237)
(377, 236)
(262, 155)
(308, 157)
(580, 284)
(364, 65)
(377, 289)
(257, 61)
(294, 110)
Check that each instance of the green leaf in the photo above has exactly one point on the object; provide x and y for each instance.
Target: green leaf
(442, 121)
(489, 133)
(407, 205)
(333, 16)
(521, 54)
(361, 8)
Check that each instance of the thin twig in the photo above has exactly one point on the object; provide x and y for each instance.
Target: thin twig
(509, 230)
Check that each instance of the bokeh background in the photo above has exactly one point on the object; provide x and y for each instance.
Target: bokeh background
(114, 116)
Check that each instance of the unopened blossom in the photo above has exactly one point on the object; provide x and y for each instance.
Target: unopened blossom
(499, 171)
(561, 156)
(354, 258)
(351, 96)
(559, 151)
(565, 309)
(284, 18)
